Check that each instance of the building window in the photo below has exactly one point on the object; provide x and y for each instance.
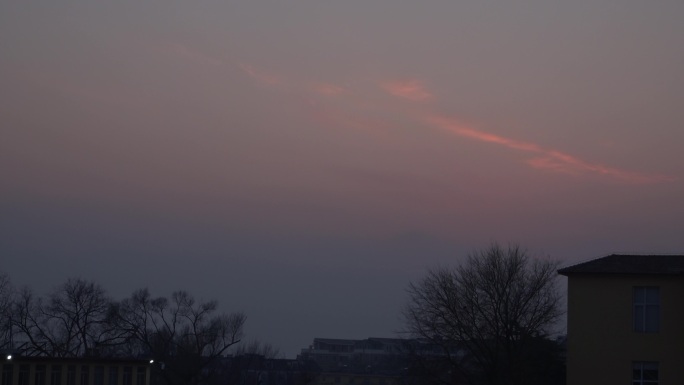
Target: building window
(141, 376)
(646, 309)
(113, 375)
(24, 372)
(85, 375)
(645, 373)
(127, 375)
(71, 375)
(7, 374)
(56, 375)
(40, 375)
(98, 375)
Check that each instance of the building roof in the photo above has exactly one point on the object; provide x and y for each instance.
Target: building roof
(629, 264)
(335, 341)
(84, 360)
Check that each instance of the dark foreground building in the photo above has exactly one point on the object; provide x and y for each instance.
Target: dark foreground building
(17, 370)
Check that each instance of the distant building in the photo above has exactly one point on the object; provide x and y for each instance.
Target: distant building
(374, 361)
(371, 361)
(255, 369)
(345, 354)
(17, 370)
(626, 320)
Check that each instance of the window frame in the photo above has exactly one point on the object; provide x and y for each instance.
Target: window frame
(55, 374)
(645, 309)
(640, 367)
(39, 376)
(7, 374)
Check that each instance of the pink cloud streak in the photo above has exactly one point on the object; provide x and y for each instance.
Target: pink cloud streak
(413, 90)
(407, 89)
(550, 159)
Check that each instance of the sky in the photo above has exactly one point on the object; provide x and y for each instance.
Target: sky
(303, 161)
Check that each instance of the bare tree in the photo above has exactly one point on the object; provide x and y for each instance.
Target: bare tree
(184, 337)
(30, 324)
(487, 314)
(75, 320)
(6, 297)
(256, 347)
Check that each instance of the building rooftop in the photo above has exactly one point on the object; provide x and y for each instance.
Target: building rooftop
(93, 360)
(629, 264)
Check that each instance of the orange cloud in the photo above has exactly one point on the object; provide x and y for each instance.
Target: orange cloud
(550, 159)
(408, 89)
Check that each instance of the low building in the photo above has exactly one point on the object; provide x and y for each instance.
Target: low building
(255, 369)
(371, 361)
(18, 370)
(385, 355)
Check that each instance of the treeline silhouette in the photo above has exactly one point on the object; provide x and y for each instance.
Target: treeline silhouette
(79, 319)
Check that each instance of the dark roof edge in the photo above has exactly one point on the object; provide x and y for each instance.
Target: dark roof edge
(561, 272)
(628, 264)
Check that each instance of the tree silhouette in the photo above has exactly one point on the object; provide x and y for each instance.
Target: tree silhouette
(75, 320)
(487, 314)
(182, 335)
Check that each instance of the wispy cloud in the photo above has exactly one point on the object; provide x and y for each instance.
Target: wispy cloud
(472, 133)
(548, 159)
(565, 163)
(542, 158)
(261, 76)
(407, 89)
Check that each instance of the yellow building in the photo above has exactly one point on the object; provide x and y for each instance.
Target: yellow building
(73, 371)
(626, 320)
